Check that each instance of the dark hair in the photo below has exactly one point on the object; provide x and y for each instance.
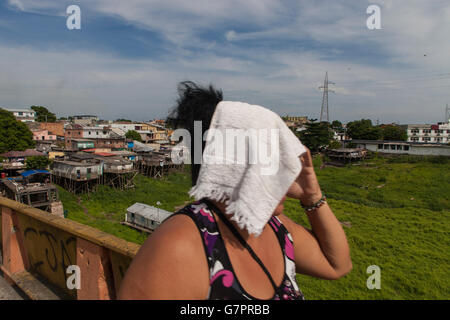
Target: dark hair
(194, 103)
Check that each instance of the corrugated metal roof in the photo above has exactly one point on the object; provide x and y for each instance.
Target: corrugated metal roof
(149, 212)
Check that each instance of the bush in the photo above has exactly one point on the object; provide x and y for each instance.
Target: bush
(335, 145)
(38, 162)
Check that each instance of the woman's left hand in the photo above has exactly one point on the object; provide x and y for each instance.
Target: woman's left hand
(306, 187)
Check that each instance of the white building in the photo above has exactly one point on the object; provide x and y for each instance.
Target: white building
(403, 147)
(145, 130)
(436, 133)
(84, 119)
(96, 132)
(24, 115)
(144, 216)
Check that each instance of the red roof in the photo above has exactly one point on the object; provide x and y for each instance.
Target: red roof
(21, 154)
(105, 154)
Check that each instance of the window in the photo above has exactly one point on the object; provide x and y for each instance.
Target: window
(96, 132)
(399, 147)
(89, 132)
(426, 139)
(406, 148)
(380, 146)
(392, 146)
(20, 113)
(386, 146)
(89, 170)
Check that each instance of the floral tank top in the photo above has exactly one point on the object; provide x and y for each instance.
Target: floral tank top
(224, 284)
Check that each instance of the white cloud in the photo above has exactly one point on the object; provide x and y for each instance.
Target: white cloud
(401, 83)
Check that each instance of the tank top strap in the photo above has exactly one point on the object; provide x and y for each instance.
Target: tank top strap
(203, 218)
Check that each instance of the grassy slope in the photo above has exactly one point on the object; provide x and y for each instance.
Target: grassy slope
(105, 208)
(399, 215)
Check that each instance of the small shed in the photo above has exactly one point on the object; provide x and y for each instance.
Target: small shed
(142, 216)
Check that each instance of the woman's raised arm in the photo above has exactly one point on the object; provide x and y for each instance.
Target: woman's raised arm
(322, 252)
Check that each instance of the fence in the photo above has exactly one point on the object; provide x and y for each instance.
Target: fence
(35, 242)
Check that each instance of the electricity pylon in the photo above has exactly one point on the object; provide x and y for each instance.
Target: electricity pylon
(324, 112)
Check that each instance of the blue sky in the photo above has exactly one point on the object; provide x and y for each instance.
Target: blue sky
(129, 56)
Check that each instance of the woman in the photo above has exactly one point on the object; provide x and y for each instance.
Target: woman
(211, 250)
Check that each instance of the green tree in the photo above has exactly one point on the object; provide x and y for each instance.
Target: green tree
(14, 135)
(43, 115)
(37, 162)
(363, 129)
(336, 125)
(396, 133)
(335, 145)
(316, 135)
(131, 134)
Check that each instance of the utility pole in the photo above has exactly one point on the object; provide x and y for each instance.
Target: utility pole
(324, 112)
(447, 113)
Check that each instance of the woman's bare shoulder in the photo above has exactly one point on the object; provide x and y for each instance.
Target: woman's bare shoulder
(171, 264)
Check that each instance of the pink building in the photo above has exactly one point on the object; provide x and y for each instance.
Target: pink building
(43, 135)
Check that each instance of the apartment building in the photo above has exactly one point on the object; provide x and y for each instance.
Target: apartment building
(430, 133)
(24, 115)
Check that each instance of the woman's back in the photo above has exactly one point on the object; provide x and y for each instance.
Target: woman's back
(233, 273)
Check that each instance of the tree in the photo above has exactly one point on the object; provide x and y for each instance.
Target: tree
(43, 115)
(335, 145)
(363, 129)
(14, 135)
(131, 134)
(396, 133)
(37, 162)
(336, 125)
(316, 135)
(123, 120)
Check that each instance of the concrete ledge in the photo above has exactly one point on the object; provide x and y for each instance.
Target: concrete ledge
(31, 286)
(38, 248)
(96, 236)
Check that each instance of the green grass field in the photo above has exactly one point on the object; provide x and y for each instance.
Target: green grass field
(396, 215)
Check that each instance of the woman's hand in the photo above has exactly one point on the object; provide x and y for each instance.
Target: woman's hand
(306, 187)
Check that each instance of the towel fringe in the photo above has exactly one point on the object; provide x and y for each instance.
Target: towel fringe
(219, 193)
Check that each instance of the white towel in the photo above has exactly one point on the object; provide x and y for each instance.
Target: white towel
(251, 189)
